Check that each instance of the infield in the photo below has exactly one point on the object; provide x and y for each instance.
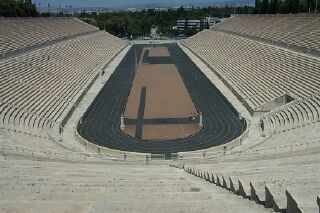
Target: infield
(165, 96)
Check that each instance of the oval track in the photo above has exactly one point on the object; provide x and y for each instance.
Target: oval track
(100, 124)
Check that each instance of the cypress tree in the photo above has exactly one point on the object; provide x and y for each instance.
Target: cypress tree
(264, 6)
(274, 7)
(257, 7)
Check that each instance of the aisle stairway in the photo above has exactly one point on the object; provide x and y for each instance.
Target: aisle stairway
(288, 183)
(42, 186)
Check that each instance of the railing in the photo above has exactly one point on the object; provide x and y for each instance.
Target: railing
(111, 152)
(51, 155)
(6, 150)
(217, 149)
(302, 148)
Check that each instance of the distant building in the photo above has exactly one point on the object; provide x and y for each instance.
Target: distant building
(132, 9)
(199, 24)
(184, 24)
(210, 21)
(161, 9)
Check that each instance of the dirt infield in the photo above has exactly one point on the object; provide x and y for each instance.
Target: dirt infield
(158, 51)
(170, 131)
(165, 97)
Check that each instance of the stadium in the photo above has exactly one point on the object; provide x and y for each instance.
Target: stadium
(226, 120)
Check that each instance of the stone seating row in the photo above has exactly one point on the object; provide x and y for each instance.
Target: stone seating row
(259, 73)
(35, 97)
(22, 33)
(302, 113)
(287, 183)
(69, 187)
(298, 29)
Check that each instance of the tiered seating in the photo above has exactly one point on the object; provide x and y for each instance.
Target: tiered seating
(259, 73)
(300, 114)
(299, 30)
(281, 170)
(15, 139)
(301, 137)
(40, 87)
(287, 183)
(21, 33)
(39, 186)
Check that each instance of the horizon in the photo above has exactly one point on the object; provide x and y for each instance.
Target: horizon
(127, 4)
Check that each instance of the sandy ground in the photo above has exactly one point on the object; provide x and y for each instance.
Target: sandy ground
(158, 52)
(130, 130)
(171, 131)
(166, 97)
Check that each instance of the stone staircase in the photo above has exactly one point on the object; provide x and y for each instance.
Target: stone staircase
(286, 184)
(28, 185)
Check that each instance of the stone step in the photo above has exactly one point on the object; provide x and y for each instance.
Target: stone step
(5, 186)
(275, 198)
(302, 199)
(108, 196)
(44, 206)
(132, 207)
(175, 207)
(110, 189)
(90, 181)
(116, 189)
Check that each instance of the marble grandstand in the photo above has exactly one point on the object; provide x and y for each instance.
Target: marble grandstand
(300, 31)
(258, 72)
(20, 33)
(51, 76)
(40, 87)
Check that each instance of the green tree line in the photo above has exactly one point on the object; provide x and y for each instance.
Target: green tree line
(139, 23)
(286, 6)
(17, 8)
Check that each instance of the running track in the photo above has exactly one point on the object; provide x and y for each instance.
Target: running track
(100, 124)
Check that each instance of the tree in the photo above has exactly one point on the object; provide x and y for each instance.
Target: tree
(293, 6)
(273, 7)
(257, 7)
(264, 7)
(139, 23)
(13, 8)
(190, 31)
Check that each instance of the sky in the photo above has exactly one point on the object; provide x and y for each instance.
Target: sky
(111, 3)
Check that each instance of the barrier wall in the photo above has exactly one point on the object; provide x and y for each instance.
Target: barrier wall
(206, 153)
(117, 154)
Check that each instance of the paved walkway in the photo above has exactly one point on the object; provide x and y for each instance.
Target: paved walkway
(41, 186)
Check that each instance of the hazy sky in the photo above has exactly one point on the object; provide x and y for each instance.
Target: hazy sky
(106, 3)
